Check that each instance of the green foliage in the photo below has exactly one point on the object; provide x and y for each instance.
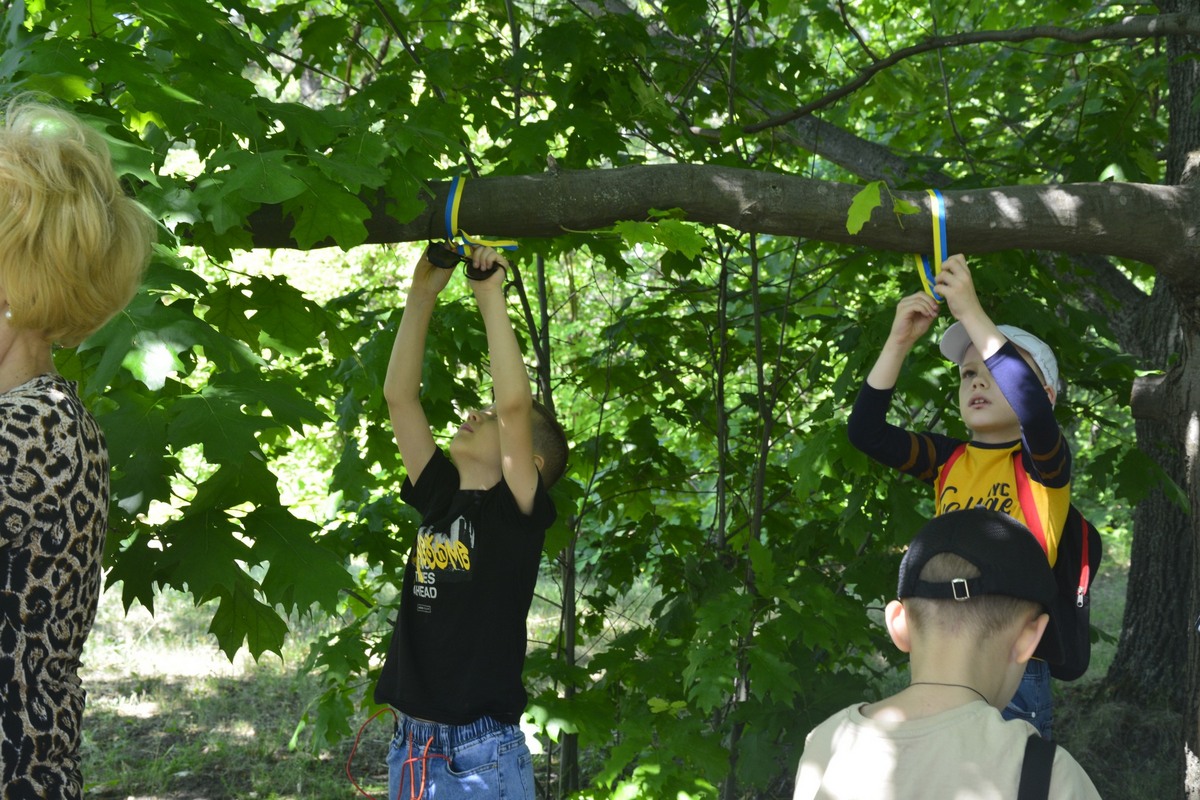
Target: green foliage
(727, 542)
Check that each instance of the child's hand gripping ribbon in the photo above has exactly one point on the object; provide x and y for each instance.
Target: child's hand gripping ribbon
(930, 266)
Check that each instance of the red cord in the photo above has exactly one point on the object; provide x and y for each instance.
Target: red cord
(354, 749)
(410, 762)
(424, 759)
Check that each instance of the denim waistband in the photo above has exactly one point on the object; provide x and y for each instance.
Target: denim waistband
(445, 737)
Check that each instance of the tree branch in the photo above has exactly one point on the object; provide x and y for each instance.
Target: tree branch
(1102, 288)
(1128, 220)
(1136, 27)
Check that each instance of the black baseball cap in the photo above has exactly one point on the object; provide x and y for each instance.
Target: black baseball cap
(1009, 559)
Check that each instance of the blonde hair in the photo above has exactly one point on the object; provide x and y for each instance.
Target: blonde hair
(979, 617)
(73, 246)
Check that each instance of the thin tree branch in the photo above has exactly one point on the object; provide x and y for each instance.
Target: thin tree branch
(854, 31)
(1137, 27)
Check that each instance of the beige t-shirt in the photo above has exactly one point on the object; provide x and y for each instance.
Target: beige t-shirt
(967, 753)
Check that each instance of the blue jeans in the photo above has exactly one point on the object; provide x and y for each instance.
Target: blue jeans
(1032, 701)
(484, 760)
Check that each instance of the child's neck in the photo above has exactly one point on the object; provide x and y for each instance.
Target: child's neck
(946, 676)
(474, 476)
(997, 436)
(929, 697)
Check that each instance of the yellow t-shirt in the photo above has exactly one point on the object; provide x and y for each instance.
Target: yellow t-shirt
(986, 476)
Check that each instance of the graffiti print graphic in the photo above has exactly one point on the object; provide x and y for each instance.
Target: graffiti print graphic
(441, 558)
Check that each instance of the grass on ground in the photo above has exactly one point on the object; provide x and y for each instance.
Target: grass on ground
(169, 717)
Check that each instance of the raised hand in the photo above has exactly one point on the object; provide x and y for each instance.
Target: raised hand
(914, 314)
(954, 283)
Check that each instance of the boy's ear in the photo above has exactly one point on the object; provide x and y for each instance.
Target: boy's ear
(895, 616)
(1028, 637)
(538, 462)
(1052, 393)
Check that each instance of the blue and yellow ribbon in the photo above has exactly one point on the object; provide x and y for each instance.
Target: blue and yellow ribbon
(464, 239)
(929, 266)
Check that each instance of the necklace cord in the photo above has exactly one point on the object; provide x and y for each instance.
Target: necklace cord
(953, 685)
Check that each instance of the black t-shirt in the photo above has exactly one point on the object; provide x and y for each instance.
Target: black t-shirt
(458, 647)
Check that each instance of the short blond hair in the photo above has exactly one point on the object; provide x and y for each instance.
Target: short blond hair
(73, 246)
(979, 617)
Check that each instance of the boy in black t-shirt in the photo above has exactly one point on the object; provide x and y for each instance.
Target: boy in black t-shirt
(453, 669)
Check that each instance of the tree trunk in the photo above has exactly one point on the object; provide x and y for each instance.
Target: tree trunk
(1189, 394)
(1183, 167)
(1158, 656)
(1149, 663)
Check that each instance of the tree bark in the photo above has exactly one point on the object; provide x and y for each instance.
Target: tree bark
(1183, 168)
(1188, 395)
(1149, 663)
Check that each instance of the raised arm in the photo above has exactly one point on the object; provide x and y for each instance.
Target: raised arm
(510, 381)
(954, 282)
(402, 386)
(914, 315)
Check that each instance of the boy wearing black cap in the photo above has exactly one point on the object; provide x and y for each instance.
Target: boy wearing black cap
(974, 593)
(1009, 383)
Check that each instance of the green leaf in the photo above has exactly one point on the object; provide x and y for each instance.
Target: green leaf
(773, 674)
(280, 396)
(136, 431)
(635, 233)
(300, 572)
(62, 86)
(265, 177)
(215, 418)
(229, 310)
(242, 617)
(134, 565)
(290, 322)
(762, 559)
(356, 162)
(202, 552)
(865, 201)
(680, 237)
(327, 211)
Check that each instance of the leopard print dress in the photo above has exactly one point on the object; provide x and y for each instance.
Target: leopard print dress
(53, 515)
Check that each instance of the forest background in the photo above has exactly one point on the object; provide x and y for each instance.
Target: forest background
(717, 205)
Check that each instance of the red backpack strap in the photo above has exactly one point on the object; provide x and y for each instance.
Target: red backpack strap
(1085, 566)
(941, 478)
(1033, 520)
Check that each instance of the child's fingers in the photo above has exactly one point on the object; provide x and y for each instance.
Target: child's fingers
(920, 303)
(914, 316)
(487, 259)
(486, 264)
(956, 262)
(954, 273)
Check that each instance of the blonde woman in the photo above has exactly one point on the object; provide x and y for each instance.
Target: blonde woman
(72, 251)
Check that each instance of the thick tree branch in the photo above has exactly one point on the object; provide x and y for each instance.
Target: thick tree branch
(1102, 288)
(1128, 220)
